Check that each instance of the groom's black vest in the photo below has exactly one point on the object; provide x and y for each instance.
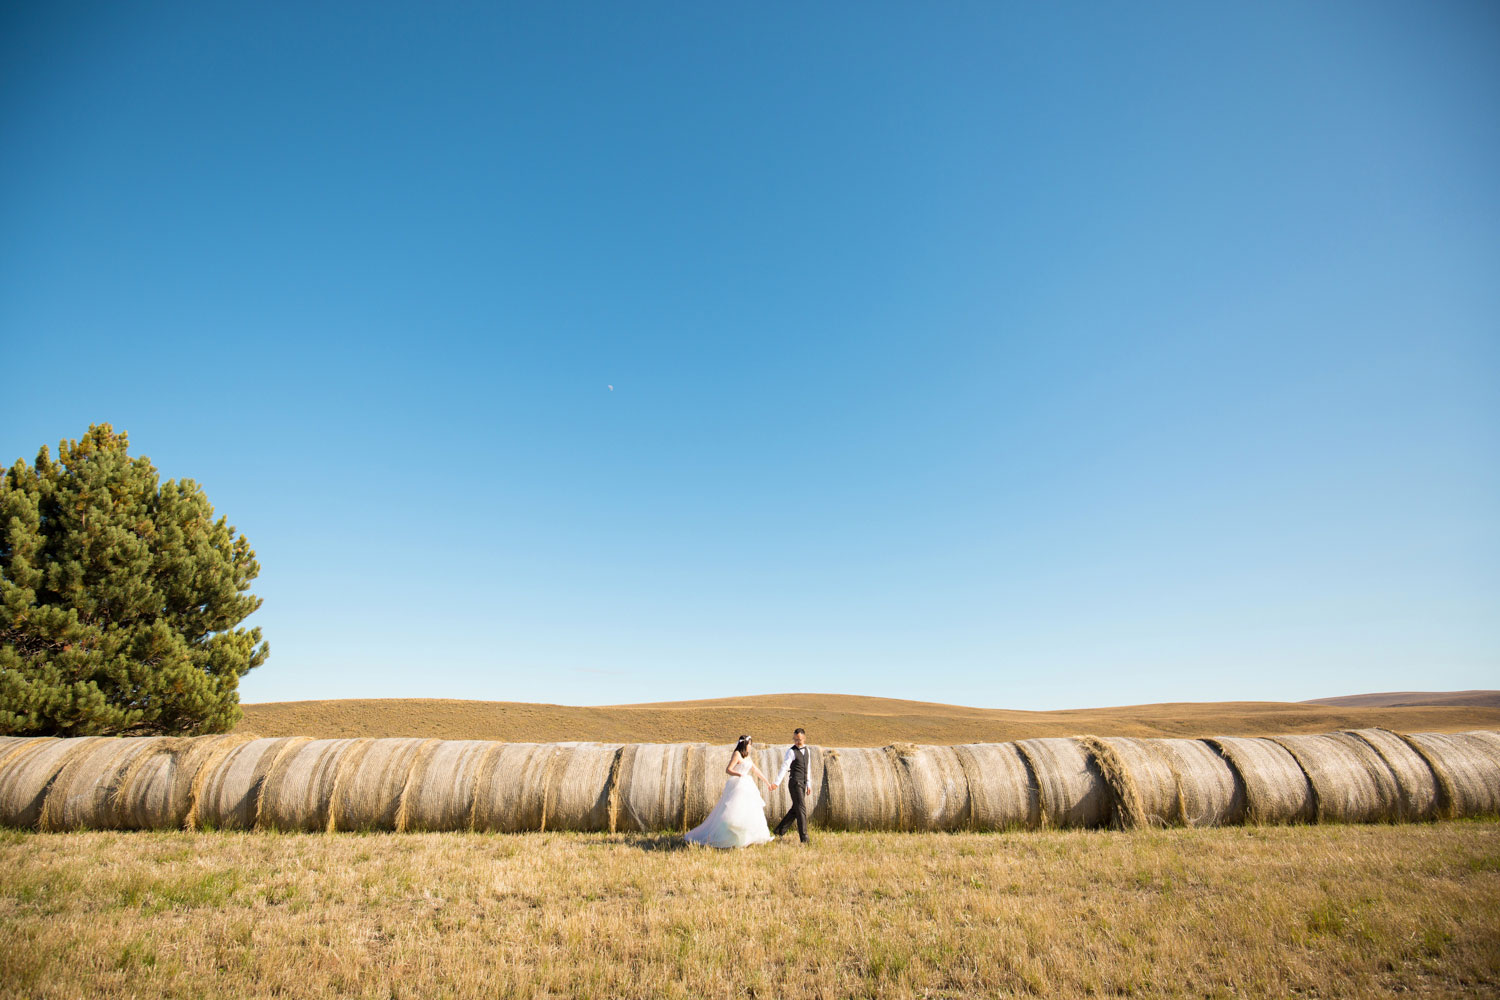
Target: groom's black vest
(798, 774)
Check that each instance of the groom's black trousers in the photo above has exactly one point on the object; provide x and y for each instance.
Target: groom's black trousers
(797, 812)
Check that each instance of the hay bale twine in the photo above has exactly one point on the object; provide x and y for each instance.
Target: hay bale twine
(1276, 789)
(299, 789)
(652, 793)
(1467, 770)
(226, 789)
(864, 789)
(934, 787)
(1071, 787)
(1003, 795)
(1350, 781)
(1209, 792)
(83, 795)
(367, 794)
(578, 787)
(440, 791)
(510, 789)
(1416, 783)
(27, 772)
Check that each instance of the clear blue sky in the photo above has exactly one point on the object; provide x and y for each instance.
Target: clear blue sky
(1022, 355)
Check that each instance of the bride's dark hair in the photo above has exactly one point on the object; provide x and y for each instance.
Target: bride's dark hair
(739, 747)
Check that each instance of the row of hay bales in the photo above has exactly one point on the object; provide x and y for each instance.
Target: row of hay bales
(242, 782)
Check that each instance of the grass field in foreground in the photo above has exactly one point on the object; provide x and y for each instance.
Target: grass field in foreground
(1330, 911)
(832, 720)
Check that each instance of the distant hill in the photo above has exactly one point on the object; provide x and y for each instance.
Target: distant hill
(1404, 699)
(836, 720)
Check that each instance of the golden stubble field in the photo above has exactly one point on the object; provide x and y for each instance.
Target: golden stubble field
(1327, 911)
(834, 720)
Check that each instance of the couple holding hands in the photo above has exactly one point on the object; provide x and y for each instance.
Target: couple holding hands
(738, 819)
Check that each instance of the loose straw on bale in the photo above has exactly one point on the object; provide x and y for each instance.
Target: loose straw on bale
(1140, 782)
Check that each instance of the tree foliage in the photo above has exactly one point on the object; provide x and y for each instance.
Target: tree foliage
(119, 598)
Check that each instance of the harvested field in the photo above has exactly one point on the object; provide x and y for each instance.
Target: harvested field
(1331, 911)
(834, 720)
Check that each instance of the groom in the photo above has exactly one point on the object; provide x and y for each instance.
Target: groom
(795, 763)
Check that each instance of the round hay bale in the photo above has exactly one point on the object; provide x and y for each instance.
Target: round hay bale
(1140, 779)
(225, 789)
(1003, 795)
(578, 787)
(27, 773)
(19, 746)
(652, 785)
(153, 793)
(1416, 783)
(934, 787)
(1209, 792)
(779, 803)
(367, 793)
(299, 788)
(1350, 781)
(82, 796)
(510, 790)
(1486, 738)
(864, 789)
(1073, 792)
(440, 793)
(1467, 770)
(1276, 789)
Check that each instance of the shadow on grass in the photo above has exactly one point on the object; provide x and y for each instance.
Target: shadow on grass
(661, 842)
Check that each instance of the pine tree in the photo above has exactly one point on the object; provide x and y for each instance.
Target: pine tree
(119, 597)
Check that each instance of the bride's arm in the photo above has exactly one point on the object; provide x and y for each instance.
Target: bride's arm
(734, 755)
(759, 774)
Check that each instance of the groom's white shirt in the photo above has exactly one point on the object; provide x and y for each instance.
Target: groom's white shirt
(786, 767)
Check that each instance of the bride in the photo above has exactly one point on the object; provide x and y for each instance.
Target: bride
(738, 819)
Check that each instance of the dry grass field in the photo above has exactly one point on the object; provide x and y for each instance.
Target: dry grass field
(835, 720)
(1321, 911)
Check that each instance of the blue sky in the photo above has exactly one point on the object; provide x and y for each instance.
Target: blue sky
(1032, 356)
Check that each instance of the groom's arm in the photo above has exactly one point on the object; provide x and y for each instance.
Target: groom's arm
(786, 766)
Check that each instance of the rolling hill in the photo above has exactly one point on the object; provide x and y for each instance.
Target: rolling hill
(836, 720)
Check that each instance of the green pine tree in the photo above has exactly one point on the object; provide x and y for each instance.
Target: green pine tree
(119, 597)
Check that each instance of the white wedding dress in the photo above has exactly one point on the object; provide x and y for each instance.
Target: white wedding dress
(738, 819)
